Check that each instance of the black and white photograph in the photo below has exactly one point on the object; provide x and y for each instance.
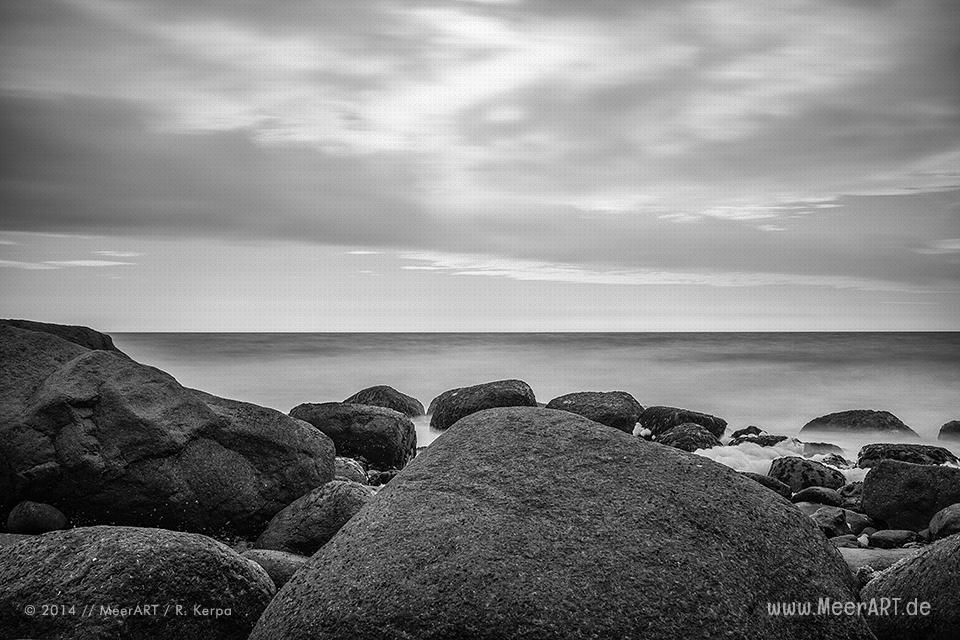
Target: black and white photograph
(479, 319)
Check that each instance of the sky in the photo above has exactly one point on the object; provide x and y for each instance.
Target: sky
(496, 165)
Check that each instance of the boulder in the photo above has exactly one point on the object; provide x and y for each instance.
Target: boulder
(309, 522)
(877, 559)
(871, 454)
(279, 565)
(906, 496)
(122, 567)
(379, 478)
(535, 523)
(832, 521)
(383, 437)
(770, 483)
(35, 517)
(950, 431)
(13, 538)
(848, 541)
(836, 461)
(748, 431)
(455, 404)
(932, 576)
(808, 508)
(389, 398)
(857, 521)
(108, 440)
(82, 336)
(617, 409)
(860, 421)
(661, 419)
(799, 473)
(819, 495)
(820, 448)
(945, 522)
(852, 495)
(688, 437)
(349, 469)
(891, 538)
(762, 440)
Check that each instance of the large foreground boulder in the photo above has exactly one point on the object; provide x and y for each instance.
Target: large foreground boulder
(118, 568)
(871, 454)
(617, 409)
(799, 473)
(932, 576)
(906, 496)
(82, 336)
(537, 524)
(950, 431)
(309, 522)
(860, 421)
(454, 404)
(661, 419)
(389, 398)
(110, 441)
(385, 438)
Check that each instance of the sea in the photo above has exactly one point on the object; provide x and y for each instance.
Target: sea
(776, 381)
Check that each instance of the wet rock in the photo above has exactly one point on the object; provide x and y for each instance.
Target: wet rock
(819, 495)
(279, 565)
(852, 495)
(891, 538)
(455, 404)
(871, 454)
(820, 448)
(860, 421)
(762, 440)
(688, 437)
(35, 517)
(836, 461)
(389, 398)
(906, 496)
(617, 409)
(800, 473)
(771, 483)
(661, 419)
(945, 522)
(349, 469)
(747, 431)
(832, 521)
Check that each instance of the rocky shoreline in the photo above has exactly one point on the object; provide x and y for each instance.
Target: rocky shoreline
(136, 507)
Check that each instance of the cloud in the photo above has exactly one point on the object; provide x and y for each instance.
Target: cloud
(363, 253)
(8, 242)
(87, 263)
(939, 247)
(30, 266)
(118, 254)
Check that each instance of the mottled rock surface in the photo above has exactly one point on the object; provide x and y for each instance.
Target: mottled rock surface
(688, 437)
(389, 398)
(871, 454)
(799, 473)
(35, 517)
(617, 409)
(906, 496)
(661, 419)
(819, 495)
(945, 522)
(865, 421)
(771, 483)
(279, 565)
(455, 404)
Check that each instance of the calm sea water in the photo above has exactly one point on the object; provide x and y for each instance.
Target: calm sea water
(778, 381)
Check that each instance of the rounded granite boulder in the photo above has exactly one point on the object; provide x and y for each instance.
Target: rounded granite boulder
(454, 404)
(617, 409)
(950, 431)
(688, 437)
(945, 522)
(661, 419)
(389, 398)
(540, 524)
(871, 454)
(906, 495)
(92, 573)
(860, 421)
(35, 517)
(799, 473)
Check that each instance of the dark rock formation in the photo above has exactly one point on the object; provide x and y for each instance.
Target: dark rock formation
(819, 495)
(762, 441)
(125, 567)
(108, 440)
(832, 521)
(533, 523)
(835, 460)
(661, 419)
(83, 336)
(820, 448)
(891, 538)
(863, 421)
(454, 404)
(799, 473)
(871, 454)
(349, 469)
(688, 437)
(35, 517)
(310, 521)
(852, 495)
(950, 431)
(877, 559)
(748, 431)
(906, 496)
(848, 541)
(945, 522)
(389, 398)
(770, 483)
(617, 409)
(383, 437)
(932, 576)
(279, 565)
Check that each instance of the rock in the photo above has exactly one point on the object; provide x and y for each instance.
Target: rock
(124, 567)
(860, 421)
(309, 522)
(871, 454)
(852, 495)
(82, 336)
(35, 517)
(820, 448)
(837, 461)
(763, 441)
(536, 523)
(906, 496)
(891, 538)
(389, 398)
(688, 437)
(808, 508)
(932, 576)
(771, 483)
(13, 538)
(877, 559)
(848, 541)
(799, 473)
(661, 419)
(857, 521)
(819, 495)
(950, 431)
(349, 469)
(378, 478)
(108, 440)
(747, 431)
(384, 437)
(455, 404)
(617, 409)
(945, 522)
(279, 565)
(832, 521)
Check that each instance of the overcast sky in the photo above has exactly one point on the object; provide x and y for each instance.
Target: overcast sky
(495, 165)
